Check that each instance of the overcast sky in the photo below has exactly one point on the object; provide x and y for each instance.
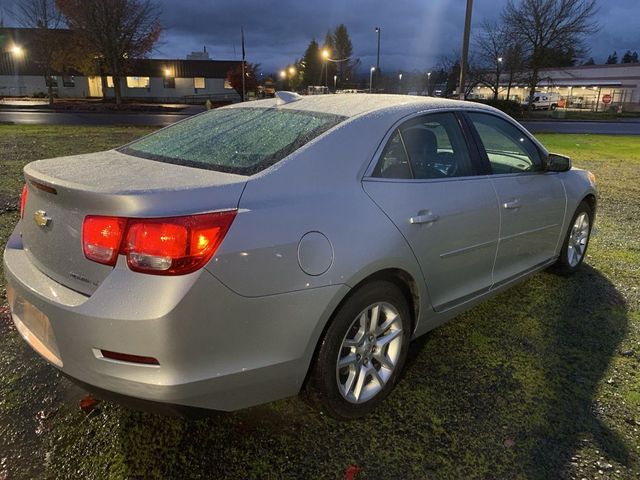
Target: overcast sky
(414, 33)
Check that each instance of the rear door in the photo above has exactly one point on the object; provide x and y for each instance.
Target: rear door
(532, 202)
(427, 180)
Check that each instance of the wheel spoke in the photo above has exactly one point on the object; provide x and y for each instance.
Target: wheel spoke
(385, 340)
(375, 318)
(376, 376)
(361, 375)
(390, 318)
(384, 361)
(347, 360)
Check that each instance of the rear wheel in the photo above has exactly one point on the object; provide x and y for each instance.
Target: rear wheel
(362, 352)
(576, 241)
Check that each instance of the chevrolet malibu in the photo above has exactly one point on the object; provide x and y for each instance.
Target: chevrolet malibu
(250, 251)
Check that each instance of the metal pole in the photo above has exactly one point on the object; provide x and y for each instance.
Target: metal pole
(370, 78)
(465, 49)
(378, 57)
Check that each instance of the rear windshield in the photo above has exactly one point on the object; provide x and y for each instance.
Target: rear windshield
(235, 140)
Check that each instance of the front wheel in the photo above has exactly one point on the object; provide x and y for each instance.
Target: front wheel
(576, 241)
(362, 352)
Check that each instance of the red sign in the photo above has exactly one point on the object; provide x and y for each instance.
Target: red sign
(606, 99)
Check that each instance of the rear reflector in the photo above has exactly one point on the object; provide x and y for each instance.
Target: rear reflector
(23, 200)
(160, 246)
(125, 357)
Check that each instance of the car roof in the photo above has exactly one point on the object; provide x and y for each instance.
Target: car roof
(356, 104)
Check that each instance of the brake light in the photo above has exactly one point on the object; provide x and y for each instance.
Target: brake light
(101, 238)
(160, 246)
(23, 200)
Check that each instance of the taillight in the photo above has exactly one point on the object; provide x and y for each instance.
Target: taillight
(101, 238)
(161, 246)
(23, 200)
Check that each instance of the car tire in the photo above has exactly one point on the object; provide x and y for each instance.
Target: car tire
(576, 242)
(356, 365)
(554, 106)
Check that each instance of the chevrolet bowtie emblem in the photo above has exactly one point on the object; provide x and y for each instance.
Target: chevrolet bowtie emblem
(40, 217)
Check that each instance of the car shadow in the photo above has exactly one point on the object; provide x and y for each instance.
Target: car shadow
(506, 390)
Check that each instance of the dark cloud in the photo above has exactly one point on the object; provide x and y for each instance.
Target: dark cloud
(415, 33)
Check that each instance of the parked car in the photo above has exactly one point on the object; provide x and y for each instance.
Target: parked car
(245, 253)
(543, 101)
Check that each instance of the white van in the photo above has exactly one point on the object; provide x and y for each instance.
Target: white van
(543, 101)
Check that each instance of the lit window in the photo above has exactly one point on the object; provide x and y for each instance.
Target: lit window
(198, 82)
(227, 84)
(109, 81)
(138, 82)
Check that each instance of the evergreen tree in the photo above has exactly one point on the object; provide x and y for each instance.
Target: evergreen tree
(591, 61)
(311, 65)
(343, 51)
(626, 58)
(634, 57)
(612, 59)
(329, 46)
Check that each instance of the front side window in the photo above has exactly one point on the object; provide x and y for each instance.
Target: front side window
(243, 141)
(430, 146)
(198, 82)
(508, 148)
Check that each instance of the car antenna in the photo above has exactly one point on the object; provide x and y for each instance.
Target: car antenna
(283, 97)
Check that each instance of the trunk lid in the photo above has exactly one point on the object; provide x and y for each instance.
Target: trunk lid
(62, 191)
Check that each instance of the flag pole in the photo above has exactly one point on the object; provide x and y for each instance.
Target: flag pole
(243, 57)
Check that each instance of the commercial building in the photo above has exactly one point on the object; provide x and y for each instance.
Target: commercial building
(587, 87)
(156, 80)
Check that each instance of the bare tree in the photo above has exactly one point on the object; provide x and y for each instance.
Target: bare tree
(547, 26)
(120, 31)
(43, 16)
(492, 45)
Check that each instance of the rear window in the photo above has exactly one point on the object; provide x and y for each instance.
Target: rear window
(243, 141)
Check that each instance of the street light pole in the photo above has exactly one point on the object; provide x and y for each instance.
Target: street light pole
(399, 83)
(428, 84)
(378, 56)
(335, 81)
(465, 49)
(371, 77)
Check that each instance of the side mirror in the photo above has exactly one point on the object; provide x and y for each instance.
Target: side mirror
(558, 163)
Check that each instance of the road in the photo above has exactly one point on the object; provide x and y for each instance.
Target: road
(31, 117)
(25, 117)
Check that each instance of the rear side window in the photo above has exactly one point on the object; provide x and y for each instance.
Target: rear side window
(430, 146)
(508, 148)
(243, 141)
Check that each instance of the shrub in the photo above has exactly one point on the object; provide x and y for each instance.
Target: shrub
(510, 107)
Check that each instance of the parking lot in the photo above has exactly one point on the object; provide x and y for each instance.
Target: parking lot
(541, 382)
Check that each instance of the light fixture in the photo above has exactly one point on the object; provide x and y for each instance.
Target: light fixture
(292, 71)
(16, 50)
(325, 53)
(283, 74)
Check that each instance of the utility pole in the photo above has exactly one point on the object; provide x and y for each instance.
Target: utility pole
(377, 59)
(465, 49)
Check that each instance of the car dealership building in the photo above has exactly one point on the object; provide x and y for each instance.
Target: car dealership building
(588, 87)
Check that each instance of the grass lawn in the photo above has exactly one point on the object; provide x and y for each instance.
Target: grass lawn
(541, 382)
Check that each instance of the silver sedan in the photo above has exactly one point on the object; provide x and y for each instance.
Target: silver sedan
(245, 253)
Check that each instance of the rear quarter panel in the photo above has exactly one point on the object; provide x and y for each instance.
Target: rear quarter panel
(316, 189)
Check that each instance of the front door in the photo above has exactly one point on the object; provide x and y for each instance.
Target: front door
(532, 202)
(426, 182)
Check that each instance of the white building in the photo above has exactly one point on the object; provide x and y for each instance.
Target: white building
(592, 87)
(156, 80)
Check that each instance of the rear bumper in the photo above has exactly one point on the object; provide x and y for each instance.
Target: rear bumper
(216, 349)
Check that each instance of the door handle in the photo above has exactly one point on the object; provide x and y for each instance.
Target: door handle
(423, 218)
(511, 205)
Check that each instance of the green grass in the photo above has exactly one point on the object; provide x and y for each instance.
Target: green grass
(537, 383)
